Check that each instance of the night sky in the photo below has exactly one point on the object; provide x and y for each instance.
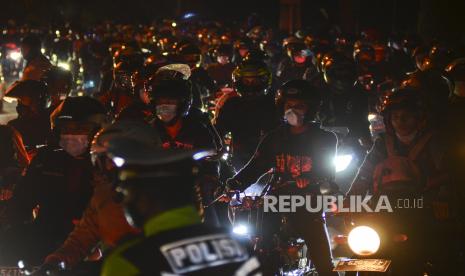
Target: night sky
(429, 16)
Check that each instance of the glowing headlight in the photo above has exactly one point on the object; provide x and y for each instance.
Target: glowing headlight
(64, 65)
(372, 116)
(15, 56)
(342, 162)
(240, 230)
(364, 241)
(119, 162)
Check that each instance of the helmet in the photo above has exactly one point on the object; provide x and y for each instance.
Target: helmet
(256, 71)
(33, 41)
(256, 55)
(256, 34)
(242, 47)
(401, 98)
(58, 74)
(455, 71)
(440, 56)
(338, 70)
(36, 90)
(299, 89)
(164, 176)
(122, 74)
(190, 54)
(133, 130)
(177, 71)
(298, 52)
(288, 42)
(223, 50)
(364, 52)
(171, 88)
(84, 111)
(130, 55)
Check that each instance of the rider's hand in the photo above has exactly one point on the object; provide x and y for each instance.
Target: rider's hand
(232, 186)
(302, 182)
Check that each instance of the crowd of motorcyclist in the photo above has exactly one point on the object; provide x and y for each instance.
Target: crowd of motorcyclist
(127, 134)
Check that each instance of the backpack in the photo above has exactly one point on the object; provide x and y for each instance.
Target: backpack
(399, 173)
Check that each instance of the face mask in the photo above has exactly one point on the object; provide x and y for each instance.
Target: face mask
(243, 52)
(166, 112)
(223, 60)
(406, 139)
(74, 145)
(293, 117)
(299, 59)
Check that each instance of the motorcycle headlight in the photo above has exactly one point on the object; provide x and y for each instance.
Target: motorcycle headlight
(15, 55)
(241, 230)
(64, 65)
(364, 240)
(342, 162)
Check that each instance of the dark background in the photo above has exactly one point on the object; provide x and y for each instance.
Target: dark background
(430, 18)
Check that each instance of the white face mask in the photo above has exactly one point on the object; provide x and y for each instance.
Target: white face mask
(74, 145)
(407, 139)
(293, 117)
(166, 112)
(459, 88)
(223, 60)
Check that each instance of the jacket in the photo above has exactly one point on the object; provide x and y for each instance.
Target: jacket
(102, 221)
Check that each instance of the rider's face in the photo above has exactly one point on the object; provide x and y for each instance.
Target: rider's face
(298, 105)
(404, 122)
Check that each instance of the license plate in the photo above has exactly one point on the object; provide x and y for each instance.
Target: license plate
(375, 265)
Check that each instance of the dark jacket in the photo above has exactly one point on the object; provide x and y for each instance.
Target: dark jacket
(248, 120)
(308, 155)
(59, 184)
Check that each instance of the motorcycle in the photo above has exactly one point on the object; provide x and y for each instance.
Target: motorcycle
(59, 269)
(288, 252)
(389, 243)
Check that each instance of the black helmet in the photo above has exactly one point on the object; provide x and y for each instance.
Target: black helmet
(32, 41)
(164, 176)
(256, 34)
(252, 69)
(102, 144)
(130, 55)
(364, 52)
(440, 56)
(256, 55)
(36, 90)
(338, 70)
(122, 73)
(58, 80)
(302, 90)
(190, 54)
(171, 88)
(81, 110)
(402, 98)
(455, 71)
(223, 50)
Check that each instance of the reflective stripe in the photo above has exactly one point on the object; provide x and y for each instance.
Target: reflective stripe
(248, 267)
